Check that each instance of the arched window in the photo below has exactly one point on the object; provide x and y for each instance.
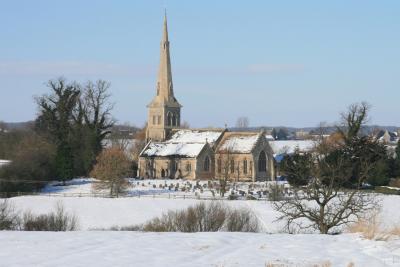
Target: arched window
(162, 173)
(188, 167)
(245, 166)
(169, 119)
(207, 164)
(174, 120)
(262, 162)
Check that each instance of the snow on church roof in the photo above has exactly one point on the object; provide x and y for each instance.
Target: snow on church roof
(194, 136)
(240, 143)
(184, 143)
(289, 146)
(173, 149)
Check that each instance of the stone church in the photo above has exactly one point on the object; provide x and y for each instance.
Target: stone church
(175, 153)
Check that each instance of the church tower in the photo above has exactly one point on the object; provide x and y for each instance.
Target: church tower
(164, 111)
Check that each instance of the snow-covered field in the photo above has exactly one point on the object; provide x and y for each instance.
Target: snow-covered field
(96, 248)
(165, 188)
(108, 248)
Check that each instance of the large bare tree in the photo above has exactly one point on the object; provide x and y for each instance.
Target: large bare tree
(226, 168)
(242, 122)
(96, 110)
(332, 196)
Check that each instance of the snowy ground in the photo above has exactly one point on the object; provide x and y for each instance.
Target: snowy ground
(176, 188)
(200, 249)
(107, 248)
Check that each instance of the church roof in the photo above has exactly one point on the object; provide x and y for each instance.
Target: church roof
(289, 146)
(195, 136)
(164, 149)
(183, 143)
(239, 143)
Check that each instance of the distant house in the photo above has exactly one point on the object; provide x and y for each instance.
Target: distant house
(281, 148)
(4, 162)
(300, 135)
(269, 137)
(386, 136)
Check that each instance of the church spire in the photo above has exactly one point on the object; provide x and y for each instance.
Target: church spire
(164, 82)
(164, 111)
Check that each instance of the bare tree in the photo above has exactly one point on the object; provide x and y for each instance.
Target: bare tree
(353, 120)
(9, 219)
(227, 167)
(332, 196)
(3, 126)
(111, 169)
(324, 203)
(95, 111)
(140, 142)
(242, 122)
(185, 125)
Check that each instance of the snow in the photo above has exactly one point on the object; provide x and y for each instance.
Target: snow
(127, 143)
(4, 162)
(173, 149)
(240, 144)
(194, 136)
(104, 248)
(289, 146)
(95, 213)
(108, 248)
(186, 143)
(269, 137)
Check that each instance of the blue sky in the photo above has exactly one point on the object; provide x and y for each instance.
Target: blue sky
(292, 63)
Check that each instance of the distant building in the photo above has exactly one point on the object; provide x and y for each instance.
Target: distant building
(281, 148)
(300, 135)
(172, 152)
(386, 136)
(4, 162)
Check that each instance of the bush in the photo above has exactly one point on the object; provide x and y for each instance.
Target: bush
(9, 219)
(233, 197)
(57, 221)
(251, 197)
(111, 169)
(203, 217)
(276, 192)
(242, 220)
(386, 190)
